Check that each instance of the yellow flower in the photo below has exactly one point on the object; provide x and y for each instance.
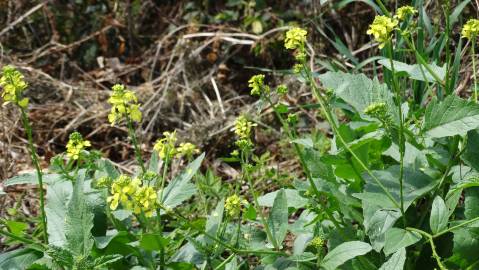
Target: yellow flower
(404, 11)
(317, 242)
(13, 84)
(145, 200)
(186, 149)
(282, 89)
(123, 104)
(233, 205)
(256, 83)
(382, 28)
(243, 127)
(295, 38)
(76, 145)
(470, 30)
(166, 146)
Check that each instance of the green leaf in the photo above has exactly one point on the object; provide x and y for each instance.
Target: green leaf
(16, 227)
(359, 91)
(454, 17)
(471, 153)
(214, 220)
(153, 163)
(377, 222)
(466, 245)
(79, 221)
(294, 199)
(153, 242)
(343, 253)
(415, 184)
(439, 215)
(471, 203)
(58, 196)
(396, 262)
(18, 259)
(31, 179)
(414, 71)
(278, 218)
(181, 189)
(397, 238)
(453, 116)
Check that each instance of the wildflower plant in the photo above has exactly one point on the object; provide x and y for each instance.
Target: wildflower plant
(76, 145)
(382, 28)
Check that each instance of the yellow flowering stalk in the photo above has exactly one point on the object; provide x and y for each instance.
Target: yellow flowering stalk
(317, 242)
(243, 127)
(403, 12)
(295, 39)
(282, 89)
(256, 83)
(382, 28)
(122, 190)
(166, 146)
(233, 205)
(145, 200)
(124, 103)
(13, 84)
(76, 144)
(470, 30)
(186, 150)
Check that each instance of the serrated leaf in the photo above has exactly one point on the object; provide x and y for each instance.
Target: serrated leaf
(439, 215)
(181, 189)
(396, 262)
(79, 221)
(359, 91)
(452, 116)
(416, 72)
(278, 218)
(397, 238)
(343, 253)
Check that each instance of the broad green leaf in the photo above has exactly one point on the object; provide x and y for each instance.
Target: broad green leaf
(439, 215)
(16, 227)
(106, 168)
(359, 91)
(377, 222)
(181, 189)
(316, 167)
(153, 242)
(18, 259)
(397, 238)
(452, 116)
(278, 218)
(454, 17)
(214, 220)
(79, 221)
(466, 245)
(471, 153)
(396, 261)
(154, 162)
(416, 72)
(31, 179)
(294, 199)
(58, 196)
(343, 253)
(415, 184)
(471, 203)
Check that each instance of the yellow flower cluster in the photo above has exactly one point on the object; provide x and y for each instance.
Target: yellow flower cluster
(295, 39)
(166, 147)
(13, 85)
(133, 196)
(243, 129)
(382, 28)
(123, 104)
(76, 145)
(403, 12)
(317, 242)
(256, 83)
(470, 30)
(233, 205)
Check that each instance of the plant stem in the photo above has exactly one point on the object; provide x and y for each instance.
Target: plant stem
(402, 141)
(134, 140)
(33, 154)
(473, 55)
(430, 238)
(456, 227)
(19, 238)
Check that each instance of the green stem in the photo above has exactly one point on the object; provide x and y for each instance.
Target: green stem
(402, 142)
(134, 141)
(227, 260)
(473, 55)
(456, 227)
(430, 238)
(19, 238)
(33, 154)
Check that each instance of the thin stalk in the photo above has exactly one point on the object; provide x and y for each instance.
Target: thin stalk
(402, 142)
(433, 246)
(227, 260)
(20, 239)
(158, 213)
(473, 55)
(456, 227)
(134, 141)
(33, 154)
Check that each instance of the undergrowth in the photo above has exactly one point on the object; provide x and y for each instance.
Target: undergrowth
(398, 188)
